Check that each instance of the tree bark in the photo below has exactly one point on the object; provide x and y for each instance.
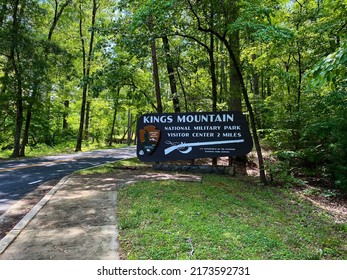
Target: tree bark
(299, 89)
(213, 81)
(171, 73)
(87, 121)
(19, 106)
(25, 138)
(235, 84)
(110, 141)
(86, 71)
(213, 74)
(14, 55)
(57, 14)
(224, 90)
(65, 115)
(155, 66)
(183, 91)
(130, 124)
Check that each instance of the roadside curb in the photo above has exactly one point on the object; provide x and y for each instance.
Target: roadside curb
(8, 239)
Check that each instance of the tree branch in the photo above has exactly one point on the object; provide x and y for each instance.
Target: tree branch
(144, 93)
(194, 39)
(57, 15)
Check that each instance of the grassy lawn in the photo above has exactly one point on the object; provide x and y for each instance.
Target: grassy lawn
(223, 218)
(66, 148)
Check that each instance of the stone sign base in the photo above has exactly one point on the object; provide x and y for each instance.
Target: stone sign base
(217, 169)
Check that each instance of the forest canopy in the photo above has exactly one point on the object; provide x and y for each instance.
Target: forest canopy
(75, 72)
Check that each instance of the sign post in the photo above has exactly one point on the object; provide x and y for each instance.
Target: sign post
(184, 136)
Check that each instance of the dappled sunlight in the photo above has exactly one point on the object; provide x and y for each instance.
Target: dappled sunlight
(79, 218)
(4, 205)
(167, 176)
(19, 177)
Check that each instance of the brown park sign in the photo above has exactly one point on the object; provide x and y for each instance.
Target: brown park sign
(183, 136)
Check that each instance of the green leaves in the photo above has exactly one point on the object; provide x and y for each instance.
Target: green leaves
(332, 69)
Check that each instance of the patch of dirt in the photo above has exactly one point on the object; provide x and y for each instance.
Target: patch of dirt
(332, 201)
(317, 189)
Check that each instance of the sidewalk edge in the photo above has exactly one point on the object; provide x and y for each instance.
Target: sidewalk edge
(8, 239)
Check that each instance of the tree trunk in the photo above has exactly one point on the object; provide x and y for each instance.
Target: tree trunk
(298, 122)
(114, 117)
(183, 91)
(171, 73)
(86, 71)
(84, 90)
(14, 55)
(113, 123)
(213, 74)
(31, 102)
(155, 66)
(82, 116)
(130, 124)
(235, 84)
(223, 91)
(57, 14)
(25, 139)
(255, 78)
(213, 81)
(19, 109)
(87, 121)
(65, 115)
(251, 115)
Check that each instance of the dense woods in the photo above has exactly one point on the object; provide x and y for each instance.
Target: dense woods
(75, 72)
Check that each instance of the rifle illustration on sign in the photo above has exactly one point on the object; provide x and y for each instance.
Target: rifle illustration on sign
(198, 144)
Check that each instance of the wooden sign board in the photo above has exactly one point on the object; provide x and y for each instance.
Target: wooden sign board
(183, 136)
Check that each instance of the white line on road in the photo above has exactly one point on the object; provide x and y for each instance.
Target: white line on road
(32, 183)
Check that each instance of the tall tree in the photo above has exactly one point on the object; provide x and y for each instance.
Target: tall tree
(222, 36)
(40, 72)
(171, 73)
(15, 60)
(155, 67)
(87, 57)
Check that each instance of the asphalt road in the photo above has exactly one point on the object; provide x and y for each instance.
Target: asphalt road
(19, 177)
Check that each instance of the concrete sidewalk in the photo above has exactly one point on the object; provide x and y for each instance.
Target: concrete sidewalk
(78, 221)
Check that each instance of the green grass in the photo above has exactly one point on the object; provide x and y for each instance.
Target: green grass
(113, 167)
(225, 218)
(65, 148)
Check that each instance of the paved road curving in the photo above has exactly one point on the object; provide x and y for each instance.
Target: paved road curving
(19, 177)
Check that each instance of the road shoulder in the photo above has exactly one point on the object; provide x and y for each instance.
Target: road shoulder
(79, 221)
